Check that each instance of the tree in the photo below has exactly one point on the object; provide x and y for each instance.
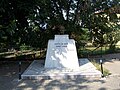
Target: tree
(13, 20)
(104, 23)
(34, 22)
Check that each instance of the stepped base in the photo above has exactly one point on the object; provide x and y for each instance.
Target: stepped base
(37, 71)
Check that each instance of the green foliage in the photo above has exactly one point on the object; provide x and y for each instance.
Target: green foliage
(91, 51)
(25, 47)
(34, 22)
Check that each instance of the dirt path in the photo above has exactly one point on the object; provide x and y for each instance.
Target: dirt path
(110, 62)
(113, 67)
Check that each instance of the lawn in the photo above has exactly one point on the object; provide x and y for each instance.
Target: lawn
(86, 51)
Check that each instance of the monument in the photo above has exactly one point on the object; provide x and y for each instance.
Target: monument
(61, 62)
(61, 53)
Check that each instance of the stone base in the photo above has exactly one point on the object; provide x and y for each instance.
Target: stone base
(37, 71)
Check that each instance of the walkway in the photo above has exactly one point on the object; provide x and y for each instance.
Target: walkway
(113, 66)
(9, 79)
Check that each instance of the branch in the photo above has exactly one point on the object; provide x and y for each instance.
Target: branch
(76, 11)
(68, 9)
(59, 11)
(60, 7)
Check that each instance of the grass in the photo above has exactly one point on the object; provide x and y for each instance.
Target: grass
(83, 52)
(98, 66)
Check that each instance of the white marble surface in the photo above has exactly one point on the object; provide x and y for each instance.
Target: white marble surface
(61, 53)
(37, 71)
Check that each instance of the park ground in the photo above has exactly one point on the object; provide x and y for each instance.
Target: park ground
(9, 78)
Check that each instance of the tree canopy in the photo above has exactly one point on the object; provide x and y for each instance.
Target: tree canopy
(33, 22)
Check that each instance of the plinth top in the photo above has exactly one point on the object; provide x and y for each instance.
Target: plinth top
(58, 37)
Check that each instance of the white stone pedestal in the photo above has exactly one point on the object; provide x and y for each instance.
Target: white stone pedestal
(61, 53)
(36, 71)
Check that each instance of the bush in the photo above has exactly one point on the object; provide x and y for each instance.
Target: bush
(25, 47)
